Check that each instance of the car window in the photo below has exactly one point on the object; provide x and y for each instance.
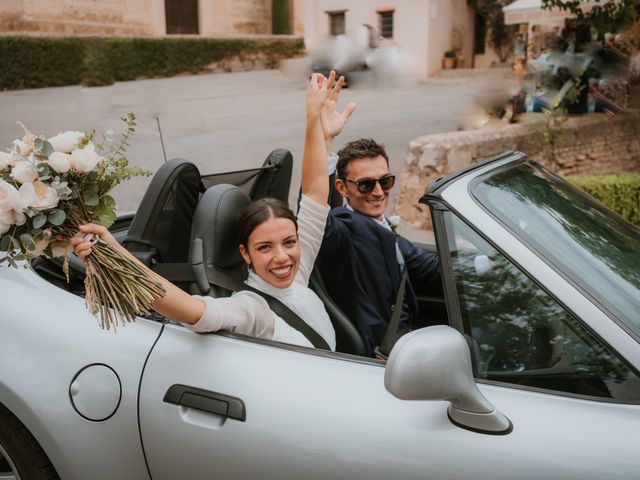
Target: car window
(520, 334)
(593, 248)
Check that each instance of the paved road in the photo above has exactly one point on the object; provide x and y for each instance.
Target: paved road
(229, 121)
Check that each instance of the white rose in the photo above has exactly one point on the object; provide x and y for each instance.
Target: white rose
(10, 207)
(60, 162)
(38, 195)
(65, 142)
(85, 159)
(24, 172)
(7, 160)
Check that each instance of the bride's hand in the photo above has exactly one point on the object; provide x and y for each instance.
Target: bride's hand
(88, 236)
(317, 93)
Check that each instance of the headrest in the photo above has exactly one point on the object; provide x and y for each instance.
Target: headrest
(162, 222)
(274, 177)
(215, 223)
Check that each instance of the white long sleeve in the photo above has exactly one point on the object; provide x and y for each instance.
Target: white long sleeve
(244, 312)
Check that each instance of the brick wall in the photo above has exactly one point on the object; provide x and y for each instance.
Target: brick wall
(588, 144)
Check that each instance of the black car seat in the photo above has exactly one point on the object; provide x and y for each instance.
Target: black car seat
(274, 178)
(215, 257)
(214, 247)
(159, 231)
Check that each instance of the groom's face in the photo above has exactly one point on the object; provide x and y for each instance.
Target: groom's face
(374, 202)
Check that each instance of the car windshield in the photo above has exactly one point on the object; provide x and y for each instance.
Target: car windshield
(597, 250)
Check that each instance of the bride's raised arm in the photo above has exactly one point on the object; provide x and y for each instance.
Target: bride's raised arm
(314, 182)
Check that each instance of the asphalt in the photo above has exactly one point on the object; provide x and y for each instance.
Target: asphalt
(231, 121)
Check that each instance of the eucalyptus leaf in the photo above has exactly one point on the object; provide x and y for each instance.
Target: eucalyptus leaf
(106, 216)
(26, 239)
(57, 217)
(91, 199)
(108, 202)
(39, 220)
(5, 243)
(90, 187)
(47, 148)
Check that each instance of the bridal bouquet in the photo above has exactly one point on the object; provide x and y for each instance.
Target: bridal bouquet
(50, 186)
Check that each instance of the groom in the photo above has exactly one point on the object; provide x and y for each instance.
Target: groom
(362, 260)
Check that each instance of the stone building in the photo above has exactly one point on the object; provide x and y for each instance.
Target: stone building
(144, 18)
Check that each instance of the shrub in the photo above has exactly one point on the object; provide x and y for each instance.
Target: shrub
(31, 62)
(619, 192)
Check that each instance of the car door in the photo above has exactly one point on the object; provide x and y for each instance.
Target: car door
(233, 407)
(532, 335)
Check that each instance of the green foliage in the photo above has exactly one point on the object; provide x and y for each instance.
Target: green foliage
(619, 192)
(603, 15)
(500, 34)
(31, 62)
(34, 62)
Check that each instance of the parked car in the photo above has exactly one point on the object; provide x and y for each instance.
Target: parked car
(535, 374)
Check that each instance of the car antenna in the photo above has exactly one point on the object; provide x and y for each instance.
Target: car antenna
(164, 153)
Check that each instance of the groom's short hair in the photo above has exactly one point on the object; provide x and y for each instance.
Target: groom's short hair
(363, 148)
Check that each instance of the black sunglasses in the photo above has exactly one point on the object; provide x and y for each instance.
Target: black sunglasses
(366, 186)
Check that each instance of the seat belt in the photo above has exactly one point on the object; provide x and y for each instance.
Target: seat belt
(222, 279)
(205, 276)
(383, 350)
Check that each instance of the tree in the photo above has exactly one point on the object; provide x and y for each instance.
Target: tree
(602, 15)
(501, 36)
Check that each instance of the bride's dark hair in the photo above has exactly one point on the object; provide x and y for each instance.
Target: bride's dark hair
(260, 211)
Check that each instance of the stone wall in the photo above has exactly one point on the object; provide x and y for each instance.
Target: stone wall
(235, 17)
(78, 17)
(590, 144)
(135, 18)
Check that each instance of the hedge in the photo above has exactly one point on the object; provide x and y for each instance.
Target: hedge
(35, 62)
(619, 192)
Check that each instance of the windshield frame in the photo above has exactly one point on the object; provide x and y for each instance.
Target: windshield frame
(596, 298)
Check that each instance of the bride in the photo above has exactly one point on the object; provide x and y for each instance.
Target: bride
(279, 249)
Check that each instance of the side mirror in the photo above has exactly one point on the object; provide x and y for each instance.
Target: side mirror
(434, 363)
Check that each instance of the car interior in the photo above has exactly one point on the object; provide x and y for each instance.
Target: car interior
(185, 229)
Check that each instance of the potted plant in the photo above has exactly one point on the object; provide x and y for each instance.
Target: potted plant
(449, 60)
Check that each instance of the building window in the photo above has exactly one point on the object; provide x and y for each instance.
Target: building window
(181, 16)
(336, 22)
(385, 21)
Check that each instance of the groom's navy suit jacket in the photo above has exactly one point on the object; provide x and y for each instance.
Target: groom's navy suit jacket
(359, 265)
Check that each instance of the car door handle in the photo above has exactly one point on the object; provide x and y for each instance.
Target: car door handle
(206, 401)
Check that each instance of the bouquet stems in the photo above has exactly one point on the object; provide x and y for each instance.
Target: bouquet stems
(118, 288)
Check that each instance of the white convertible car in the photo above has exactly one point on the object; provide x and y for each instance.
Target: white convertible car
(526, 365)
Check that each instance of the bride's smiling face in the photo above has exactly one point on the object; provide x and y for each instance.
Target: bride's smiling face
(273, 251)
